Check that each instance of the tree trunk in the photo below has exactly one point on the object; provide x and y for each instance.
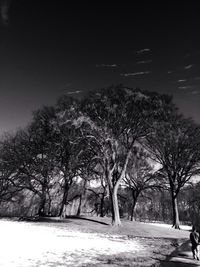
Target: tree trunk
(102, 205)
(176, 222)
(41, 210)
(133, 209)
(79, 206)
(113, 188)
(115, 207)
(135, 195)
(49, 208)
(175, 213)
(64, 199)
(43, 197)
(82, 198)
(114, 201)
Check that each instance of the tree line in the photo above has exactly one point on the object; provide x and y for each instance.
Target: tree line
(105, 150)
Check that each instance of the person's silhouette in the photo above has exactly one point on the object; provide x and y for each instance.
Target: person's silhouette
(194, 238)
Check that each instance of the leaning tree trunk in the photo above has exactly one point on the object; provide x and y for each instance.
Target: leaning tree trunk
(113, 189)
(113, 199)
(115, 207)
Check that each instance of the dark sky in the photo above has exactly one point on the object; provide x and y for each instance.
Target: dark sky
(50, 48)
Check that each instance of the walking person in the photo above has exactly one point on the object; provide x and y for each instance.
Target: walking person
(194, 239)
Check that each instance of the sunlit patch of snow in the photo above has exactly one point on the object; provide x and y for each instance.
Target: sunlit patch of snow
(27, 245)
(182, 227)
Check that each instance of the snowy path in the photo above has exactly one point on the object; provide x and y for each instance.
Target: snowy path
(26, 244)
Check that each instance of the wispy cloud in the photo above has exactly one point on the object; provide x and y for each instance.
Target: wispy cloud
(195, 92)
(186, 87)
(197, 78)
(74, 92)
(4, 11)
(144, 61)
(181, 80)
(106, 65)
(135, 73)
(188, 67)
(141, 51)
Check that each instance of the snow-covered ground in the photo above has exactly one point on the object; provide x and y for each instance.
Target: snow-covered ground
(182, 227)
(25, 244)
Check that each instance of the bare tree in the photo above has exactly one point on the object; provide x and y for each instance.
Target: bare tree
(72, 157)
(30, 157)
(9, 182)
(175, 144)
(140, 176)
(114, 120)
